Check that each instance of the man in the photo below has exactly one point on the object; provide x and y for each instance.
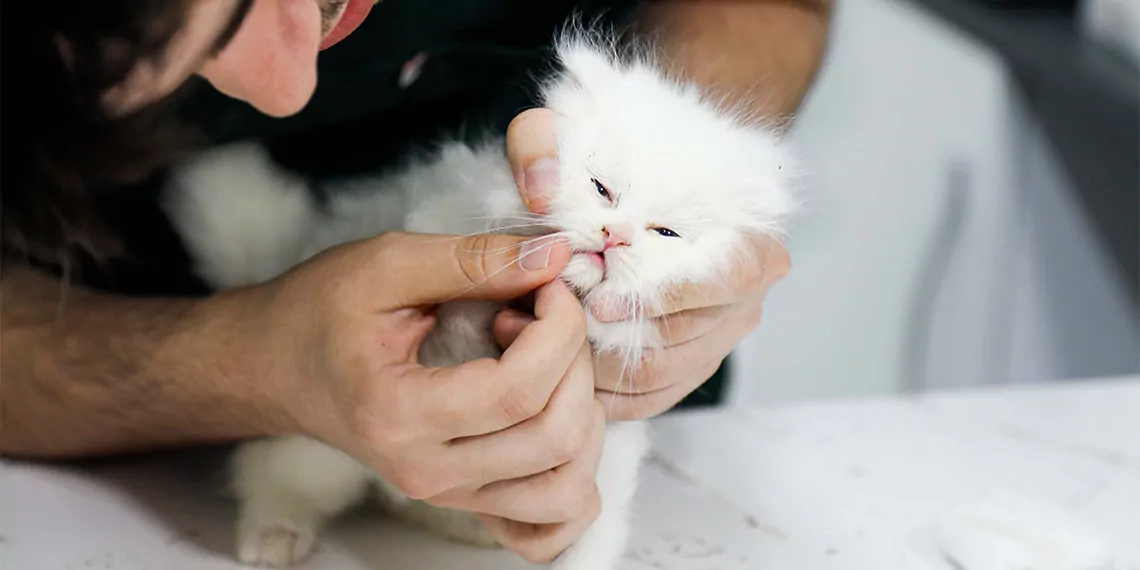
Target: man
(133, 361)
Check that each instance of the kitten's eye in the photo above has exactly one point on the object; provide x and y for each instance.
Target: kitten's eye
(666, 232)
(601, 189)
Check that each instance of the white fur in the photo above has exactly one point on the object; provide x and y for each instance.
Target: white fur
(669, 158)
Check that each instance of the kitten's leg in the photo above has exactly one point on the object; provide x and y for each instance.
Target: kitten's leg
(604, 542)
(287, 487)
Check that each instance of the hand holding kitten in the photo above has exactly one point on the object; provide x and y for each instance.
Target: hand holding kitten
(351, 320)
(701, 324)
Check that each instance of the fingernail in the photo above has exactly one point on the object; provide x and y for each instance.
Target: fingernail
(540, 179)
(536, 254)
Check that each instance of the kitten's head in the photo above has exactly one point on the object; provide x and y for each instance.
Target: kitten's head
(658, 185)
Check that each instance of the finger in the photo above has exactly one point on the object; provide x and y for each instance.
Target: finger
(690, 324)
(532, 148)
(542, 544)
(549, 344)
(689, 296)
(508, 325)
(627, 407)
(766, 263)
(553, 437)
(674, 372)
(431, 269)
(485, 396)
(553, 496)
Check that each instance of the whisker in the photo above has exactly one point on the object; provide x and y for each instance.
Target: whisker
(495, 230)
(510, 247)
(488, 278)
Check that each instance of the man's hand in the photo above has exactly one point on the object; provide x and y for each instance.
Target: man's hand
(517, 439)
(329, 350)
(541, 543)
(700, 323)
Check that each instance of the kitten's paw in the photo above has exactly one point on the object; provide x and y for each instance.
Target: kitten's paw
(277, 545)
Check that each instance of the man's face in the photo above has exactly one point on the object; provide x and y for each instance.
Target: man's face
(263, 52)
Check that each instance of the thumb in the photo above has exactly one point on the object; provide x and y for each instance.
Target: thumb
(532, 148)
(430, 269)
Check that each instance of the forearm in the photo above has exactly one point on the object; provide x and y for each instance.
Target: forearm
(766, 52)
(85, 373)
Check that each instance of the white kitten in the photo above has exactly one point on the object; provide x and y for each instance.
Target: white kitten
(658, 186)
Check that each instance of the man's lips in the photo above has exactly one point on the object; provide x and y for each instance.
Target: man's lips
(354, 14)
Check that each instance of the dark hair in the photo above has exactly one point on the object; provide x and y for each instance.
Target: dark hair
(61, 146)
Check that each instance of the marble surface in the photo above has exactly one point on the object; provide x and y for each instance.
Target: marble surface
(855, 484)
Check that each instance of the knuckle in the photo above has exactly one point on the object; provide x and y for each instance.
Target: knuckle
(588, 496)
(750, 276)
(520, 403)
(418, 484)
(534, 550)
(574, 500)
(566, 503)
(563, 447)
(565, 439)
(577, 436)
(560, 508)
(473, 256)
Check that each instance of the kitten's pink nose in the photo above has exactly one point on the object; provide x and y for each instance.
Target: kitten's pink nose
(613, 239)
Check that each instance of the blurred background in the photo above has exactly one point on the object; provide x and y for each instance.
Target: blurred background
(974, 176)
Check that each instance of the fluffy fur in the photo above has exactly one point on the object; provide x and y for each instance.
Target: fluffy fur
(676, 180)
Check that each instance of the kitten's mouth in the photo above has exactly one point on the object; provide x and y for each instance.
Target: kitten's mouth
(588, 269)
(597, 258)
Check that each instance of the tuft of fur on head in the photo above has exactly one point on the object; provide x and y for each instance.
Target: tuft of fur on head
(669, 157)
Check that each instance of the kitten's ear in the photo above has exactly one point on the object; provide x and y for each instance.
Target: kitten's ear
(587, 67)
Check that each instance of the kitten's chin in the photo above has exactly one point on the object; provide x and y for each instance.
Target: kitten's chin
(583, 273)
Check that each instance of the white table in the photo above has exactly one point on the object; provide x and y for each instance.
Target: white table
(845, 485)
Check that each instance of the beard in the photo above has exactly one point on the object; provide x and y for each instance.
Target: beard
(330, 11)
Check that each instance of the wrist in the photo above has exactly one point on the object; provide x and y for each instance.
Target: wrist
(222, 342)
